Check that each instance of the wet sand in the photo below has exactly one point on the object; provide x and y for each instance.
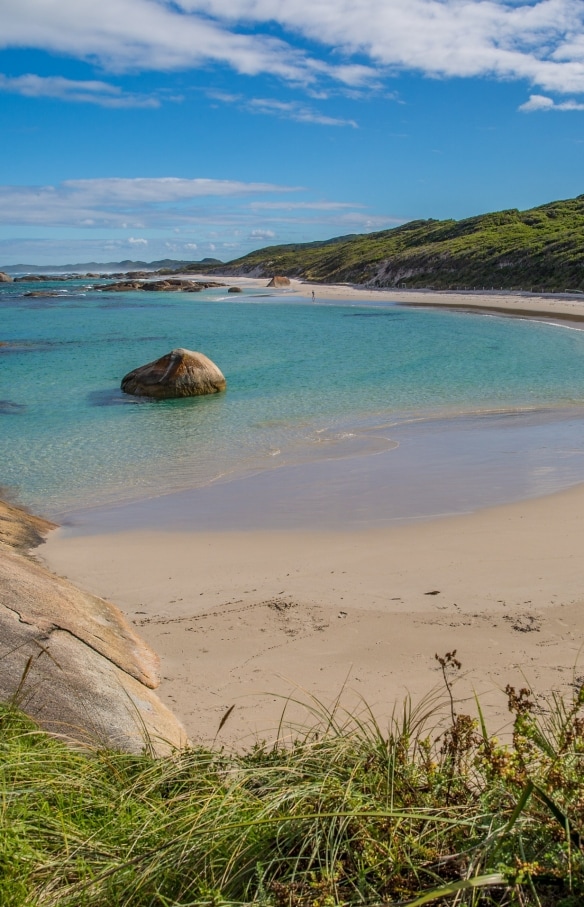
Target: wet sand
(246, 608)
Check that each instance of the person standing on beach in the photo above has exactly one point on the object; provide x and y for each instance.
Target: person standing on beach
(313, 295)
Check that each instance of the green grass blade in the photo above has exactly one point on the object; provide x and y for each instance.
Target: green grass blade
(495, 879)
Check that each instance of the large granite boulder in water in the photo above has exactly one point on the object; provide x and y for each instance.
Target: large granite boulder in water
(5, 278)
(279, 282)
(181, 373)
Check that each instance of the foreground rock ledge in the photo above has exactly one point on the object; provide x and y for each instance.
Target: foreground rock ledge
(180, 373)
(70, 660)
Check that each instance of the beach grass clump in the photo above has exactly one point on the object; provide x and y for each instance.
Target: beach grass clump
(431, 810)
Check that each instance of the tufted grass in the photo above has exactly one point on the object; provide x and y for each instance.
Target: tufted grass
(433, 810)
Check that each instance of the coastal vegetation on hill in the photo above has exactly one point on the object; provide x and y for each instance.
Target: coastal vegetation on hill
(433, 811)
(541, 250)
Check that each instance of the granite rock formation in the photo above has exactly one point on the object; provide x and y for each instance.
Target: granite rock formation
(70, 660)
(180, 373)
(279, 282)
(134, 281)
(5, 278)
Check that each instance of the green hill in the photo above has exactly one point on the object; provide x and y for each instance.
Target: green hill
(539, 249)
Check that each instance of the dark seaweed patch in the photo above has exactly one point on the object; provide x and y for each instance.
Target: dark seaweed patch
(9, 408)
(114, 302)
(371, 315)
(46, 346)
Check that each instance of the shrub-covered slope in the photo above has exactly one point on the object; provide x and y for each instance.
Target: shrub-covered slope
(539, 249)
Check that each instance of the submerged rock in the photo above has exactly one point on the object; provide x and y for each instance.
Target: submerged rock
(42, 294)
(9, 408)
(234, 290)
(122, 286)
(180, 373)
(279, 282)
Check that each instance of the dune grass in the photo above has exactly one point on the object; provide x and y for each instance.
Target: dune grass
(433, 810)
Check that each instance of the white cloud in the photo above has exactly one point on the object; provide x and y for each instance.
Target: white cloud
(540, 102)
(262, 234)
(291, 110)
(287, 110)
(88, 92)
(120, 203)
(137, 242)
(304, 206)
(541, 41)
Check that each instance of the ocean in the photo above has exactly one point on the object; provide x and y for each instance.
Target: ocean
(419, 402)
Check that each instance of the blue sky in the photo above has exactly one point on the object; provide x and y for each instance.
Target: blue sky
(150, 129)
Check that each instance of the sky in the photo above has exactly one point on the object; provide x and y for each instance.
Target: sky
(185, 129)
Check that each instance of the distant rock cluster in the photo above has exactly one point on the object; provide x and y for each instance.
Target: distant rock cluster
(175, 284)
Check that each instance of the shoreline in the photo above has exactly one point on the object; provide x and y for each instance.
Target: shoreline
(561, 306)
(250, 618)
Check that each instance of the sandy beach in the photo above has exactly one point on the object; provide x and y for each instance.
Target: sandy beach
(559, 307)
(246, 618)
(251, 617)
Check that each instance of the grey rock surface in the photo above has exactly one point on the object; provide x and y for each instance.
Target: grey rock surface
(70, 660)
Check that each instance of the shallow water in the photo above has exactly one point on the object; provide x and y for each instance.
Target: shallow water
(307, 384)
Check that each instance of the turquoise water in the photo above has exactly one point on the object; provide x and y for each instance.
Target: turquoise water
(305, 381)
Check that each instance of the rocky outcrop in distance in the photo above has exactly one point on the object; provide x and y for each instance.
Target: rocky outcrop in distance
(42, 294)
(69, 659)
(180, 373)
(5, 278)
(161, 286)
(279, 282)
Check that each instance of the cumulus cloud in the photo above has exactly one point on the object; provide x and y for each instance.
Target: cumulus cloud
(541, 41)
(88, 92)
(539, 102)
(137, 241)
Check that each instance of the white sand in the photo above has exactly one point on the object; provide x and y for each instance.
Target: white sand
(545, 306)
(245, 618)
